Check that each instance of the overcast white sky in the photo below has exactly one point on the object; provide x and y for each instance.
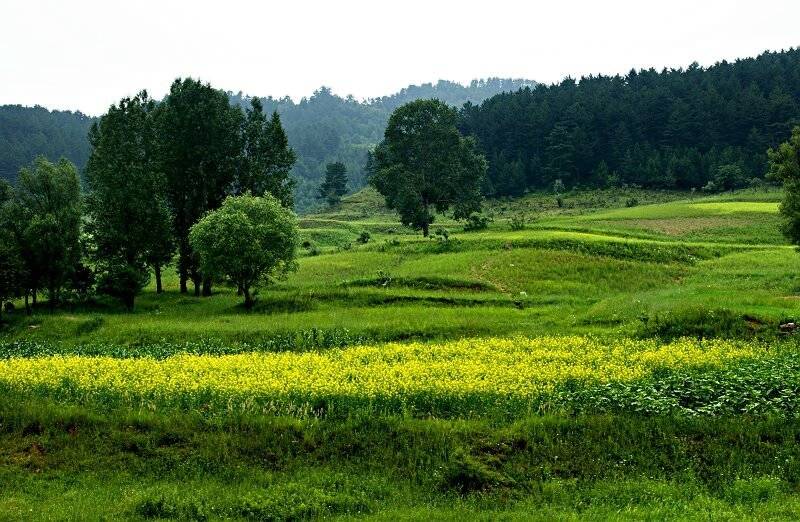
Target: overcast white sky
(86, 54)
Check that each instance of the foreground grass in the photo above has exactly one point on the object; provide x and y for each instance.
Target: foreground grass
(73, 463)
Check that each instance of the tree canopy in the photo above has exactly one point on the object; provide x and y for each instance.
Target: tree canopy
(667, 129)
(199, 140)
(784, 166)
(128, 217)
(424, 163)
(334, 186)
(45, 222)
(248, 239)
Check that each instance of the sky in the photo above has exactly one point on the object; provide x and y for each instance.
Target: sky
(87, 54)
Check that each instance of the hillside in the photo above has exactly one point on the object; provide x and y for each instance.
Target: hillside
(538, 372)
(574, 269)
(26, 132)
(322, 128)
(675, 128)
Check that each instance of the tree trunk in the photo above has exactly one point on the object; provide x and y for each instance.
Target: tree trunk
(51, 299)
(206, 287)
(239, 289)
(425, 227)
(248, 299)
(157, 270)
(27, 304)
(196, 287)
(35, 293)
(128, 301)
(184, 278)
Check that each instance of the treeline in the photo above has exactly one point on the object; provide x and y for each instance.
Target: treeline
(155, 170)
(28, 132)
(687, 128)
(326, 128)
(323, 128)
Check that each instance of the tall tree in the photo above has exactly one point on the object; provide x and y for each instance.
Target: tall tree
(424, 163)
(267, 158)
(128, 216)
(784, 166)
(47, 207)
(334, 186)
(10, 262)
(249, 240)
(199, 136)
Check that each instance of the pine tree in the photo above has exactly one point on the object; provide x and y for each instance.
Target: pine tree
(335, 184)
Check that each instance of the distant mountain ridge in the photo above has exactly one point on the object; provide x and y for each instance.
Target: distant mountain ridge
(322, 128)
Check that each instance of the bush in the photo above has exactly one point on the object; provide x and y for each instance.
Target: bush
(476, 222)
(363, 238)
(703, 323)
(517, 222)
(466, 474)
(441, 234)
(631, 202)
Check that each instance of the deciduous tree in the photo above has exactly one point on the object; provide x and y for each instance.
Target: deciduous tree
(47, 210)
(199, 136)
(784, 166)
(425, 164)
(248, 239)
(129, 221)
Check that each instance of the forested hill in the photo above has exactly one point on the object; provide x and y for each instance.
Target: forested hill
(322, 128)
(325, 127)
(675, 128)
(26, 132)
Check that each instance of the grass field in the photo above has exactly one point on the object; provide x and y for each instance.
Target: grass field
(618, 357)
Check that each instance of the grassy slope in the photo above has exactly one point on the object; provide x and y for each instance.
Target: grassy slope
(580, 269)
(592, 266)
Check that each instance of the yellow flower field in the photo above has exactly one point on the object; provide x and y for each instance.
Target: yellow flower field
(475, 370)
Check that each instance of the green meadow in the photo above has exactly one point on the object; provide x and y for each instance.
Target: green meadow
(611, 265)
(591, 267)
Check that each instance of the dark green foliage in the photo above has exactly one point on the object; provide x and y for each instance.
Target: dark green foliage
(424, 163)
(122, 280)
(704, 323)
(334, 186)
(466, 474)
(11, 269)
(784, 166)
(29, 132)
(363, 238)
(669, 129)
(129, 221)
(729, 177)
(325, 128)
(477, 222)
(45, 223)
(199, 150)
(267, 158)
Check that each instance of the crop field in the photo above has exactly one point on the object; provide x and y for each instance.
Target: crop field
(617, 355)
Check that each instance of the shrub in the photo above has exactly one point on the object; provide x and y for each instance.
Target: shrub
(703, 323)
(631, 202)
(441, 234)
(517, 222)
(476, 222)
(363, 238)
(466, 474)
